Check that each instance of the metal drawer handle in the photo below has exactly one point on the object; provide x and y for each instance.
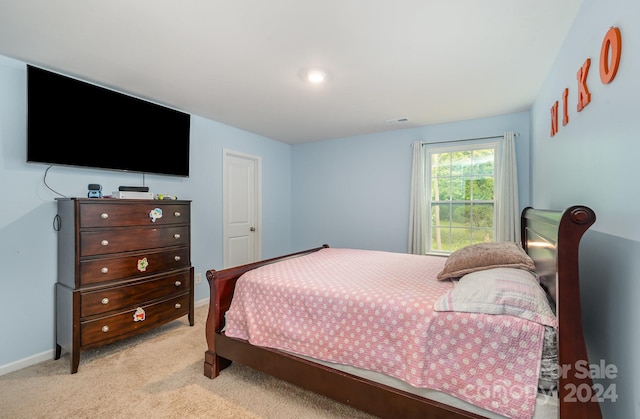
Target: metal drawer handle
(178, 305)
(178, 283)
(104, 215)
(104, 270)
(177, 214)
(105, 301)
(104, 242)
(176, 236)
(105, 329)
(177, 258)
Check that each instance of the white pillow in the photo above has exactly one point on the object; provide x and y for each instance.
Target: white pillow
(510, 291)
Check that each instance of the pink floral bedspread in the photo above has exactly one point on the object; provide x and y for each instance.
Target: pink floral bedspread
(374, 310)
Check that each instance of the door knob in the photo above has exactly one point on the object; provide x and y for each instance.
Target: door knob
(252, 229)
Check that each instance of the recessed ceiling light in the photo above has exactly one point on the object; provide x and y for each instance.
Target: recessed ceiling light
(314, 76)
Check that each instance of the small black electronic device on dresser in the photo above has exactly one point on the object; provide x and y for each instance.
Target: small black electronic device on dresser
(124, 267)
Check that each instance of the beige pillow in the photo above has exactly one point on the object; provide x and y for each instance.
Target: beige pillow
(481, 256)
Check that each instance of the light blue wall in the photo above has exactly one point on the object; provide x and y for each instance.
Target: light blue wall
(28, 243)
(594, 161)
(354, 192)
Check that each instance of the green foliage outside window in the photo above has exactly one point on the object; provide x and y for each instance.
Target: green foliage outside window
(462, 198)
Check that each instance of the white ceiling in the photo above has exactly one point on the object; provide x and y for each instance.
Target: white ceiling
(238, 61)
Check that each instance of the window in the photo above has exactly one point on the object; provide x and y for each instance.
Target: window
(461, 197)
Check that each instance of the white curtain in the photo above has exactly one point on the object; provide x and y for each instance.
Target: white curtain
(507, 212)
(418, 202)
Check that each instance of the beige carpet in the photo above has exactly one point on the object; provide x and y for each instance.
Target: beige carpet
(156, 375)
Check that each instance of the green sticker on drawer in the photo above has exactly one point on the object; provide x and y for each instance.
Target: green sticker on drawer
(142, 264)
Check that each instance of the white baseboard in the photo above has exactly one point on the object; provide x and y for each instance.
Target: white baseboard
(47, 355)
(204, 301)
(27, 362)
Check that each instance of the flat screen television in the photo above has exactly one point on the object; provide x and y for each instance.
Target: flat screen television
(74, 123)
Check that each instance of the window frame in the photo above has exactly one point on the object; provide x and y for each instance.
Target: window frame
(439, 148)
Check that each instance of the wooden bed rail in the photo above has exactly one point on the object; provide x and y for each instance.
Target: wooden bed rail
(221, 286)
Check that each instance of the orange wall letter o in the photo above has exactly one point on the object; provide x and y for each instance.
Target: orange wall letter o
(609, 63)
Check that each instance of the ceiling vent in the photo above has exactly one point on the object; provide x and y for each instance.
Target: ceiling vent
(398, 121)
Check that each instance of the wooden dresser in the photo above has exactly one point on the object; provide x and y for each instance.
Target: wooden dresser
(124, 267)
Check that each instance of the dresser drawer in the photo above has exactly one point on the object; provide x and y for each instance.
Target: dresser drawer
(125, 322)
(120, 214)
(103, 269)
(116, 298)
(103, 242)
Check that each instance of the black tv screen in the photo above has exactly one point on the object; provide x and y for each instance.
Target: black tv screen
(74, 123)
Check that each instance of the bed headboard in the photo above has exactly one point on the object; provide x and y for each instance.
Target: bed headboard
(552, 240)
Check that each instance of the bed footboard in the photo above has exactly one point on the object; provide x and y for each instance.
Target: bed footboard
(221, 286)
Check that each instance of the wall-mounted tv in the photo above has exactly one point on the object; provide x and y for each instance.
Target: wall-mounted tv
(75, 123)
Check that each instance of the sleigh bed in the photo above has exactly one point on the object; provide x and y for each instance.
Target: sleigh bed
(423, 347)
